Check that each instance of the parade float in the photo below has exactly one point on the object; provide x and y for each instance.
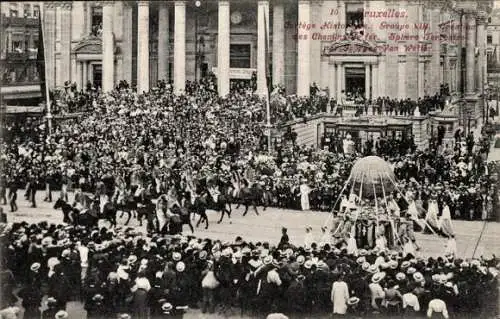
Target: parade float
(368, 208)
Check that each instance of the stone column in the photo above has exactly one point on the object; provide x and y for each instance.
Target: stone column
(163, 41)
(367, 81)
(421, 80)
(375, 91)
(470, 59)
(142, 46)
(74, 69)
(49, 21)
(481, 44)
(79, 75)
(64, 66)
(278, 43)
(304, 50)
(88, 17)
(435, 63)
(332, 80)
(180, 47)
(108, 58)
(77, 20)
(223, 41)
(381, 79)
(127, 42)
(401, 73)
(261, 47)
(85, 74)
(339, 81)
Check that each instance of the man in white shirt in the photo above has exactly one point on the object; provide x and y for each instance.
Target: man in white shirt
(411, 300)
(437, 305)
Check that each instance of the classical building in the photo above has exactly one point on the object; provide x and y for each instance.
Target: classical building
(20, 82)
(400, 49)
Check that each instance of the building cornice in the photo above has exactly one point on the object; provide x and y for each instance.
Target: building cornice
(58, 4)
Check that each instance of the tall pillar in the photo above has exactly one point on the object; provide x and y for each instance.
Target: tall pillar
(261, 47)
(74, 69)
(435, 63)
(304, 50)
(142, 46)
(339, 82)
(163, 41)
(421, 74)
(127, 42)
(278, 43)
(85, 74)
(64, 67)
(108, 58)
(367, 81)
(381, 79)
(470, 59)
(77, 20)
(401, 72)
(79, 72)
(332, 80)
(180, 47)
(481, 44)
(375, 91)
(223, 41)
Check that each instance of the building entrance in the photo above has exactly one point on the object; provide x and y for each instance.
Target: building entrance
(97, 75)
(355, 82)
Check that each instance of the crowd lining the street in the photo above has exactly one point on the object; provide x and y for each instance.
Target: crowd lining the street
(174, 142)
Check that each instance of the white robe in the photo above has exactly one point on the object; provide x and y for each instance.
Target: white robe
(432, 214)
(445, 224)
(339, 297)
(352, 247)
(308, 240)
(304, 196)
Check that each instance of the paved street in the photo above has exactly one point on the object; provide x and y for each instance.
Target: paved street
(471, 236)
(267, 227)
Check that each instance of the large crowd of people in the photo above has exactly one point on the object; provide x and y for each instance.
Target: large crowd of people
(198, 143)
(181, 142)
(122, 271)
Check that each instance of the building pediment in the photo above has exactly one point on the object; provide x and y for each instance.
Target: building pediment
(351, 47)
(91, 45)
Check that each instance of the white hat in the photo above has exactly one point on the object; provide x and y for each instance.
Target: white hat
(61, 314)
(378, 277)
(180, 266)
(176, 256)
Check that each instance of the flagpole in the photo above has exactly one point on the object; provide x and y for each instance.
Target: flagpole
(48, 115)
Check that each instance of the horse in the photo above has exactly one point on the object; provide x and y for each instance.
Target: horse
(67, 209)
(251, 196)
(86, 217)
(196, 207)
(125, 204)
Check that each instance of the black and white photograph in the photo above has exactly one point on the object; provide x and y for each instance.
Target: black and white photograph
(241, 159)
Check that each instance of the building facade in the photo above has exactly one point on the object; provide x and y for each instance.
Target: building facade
(400, 49)
(20, 83)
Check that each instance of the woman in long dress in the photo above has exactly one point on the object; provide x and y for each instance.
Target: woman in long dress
(340, 296)
(304, 195)
(445, 224)
(431, 217)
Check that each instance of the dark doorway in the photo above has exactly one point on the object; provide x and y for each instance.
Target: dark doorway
(97, 75)
(355, 82)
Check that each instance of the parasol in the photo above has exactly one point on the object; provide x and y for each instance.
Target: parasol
(372, 177)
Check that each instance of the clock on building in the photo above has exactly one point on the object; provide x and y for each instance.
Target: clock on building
(236, 17)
